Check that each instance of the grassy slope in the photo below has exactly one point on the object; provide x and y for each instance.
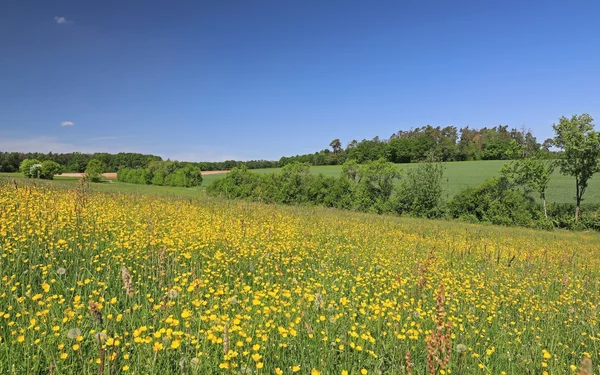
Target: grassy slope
(458, 175)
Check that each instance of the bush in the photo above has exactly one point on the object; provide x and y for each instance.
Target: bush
(31, 168)
(187, 176)
(420, 193)
(561, 216)
(163, 173)
(365, 187)
(291, 184)
(329, 191)
(238, 183)
(372, 184)
(158, 178)
(369, 188)
(94, 170)
(494, 201)
(49, 169)
(135, 176)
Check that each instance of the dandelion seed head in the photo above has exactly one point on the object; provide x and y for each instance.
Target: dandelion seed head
(73, 333)
(173, 294)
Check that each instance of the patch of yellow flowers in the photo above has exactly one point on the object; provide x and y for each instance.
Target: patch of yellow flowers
(100, 283)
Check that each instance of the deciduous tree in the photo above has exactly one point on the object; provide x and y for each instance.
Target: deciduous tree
(580, 146)
(336, 145)
(94, 170)
(531, 173)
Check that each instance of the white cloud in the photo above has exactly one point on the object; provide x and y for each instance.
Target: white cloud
(61, 20)
(67, 123)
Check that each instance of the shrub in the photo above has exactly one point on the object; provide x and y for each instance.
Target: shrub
(291, 183)
(186, 176)
(294, 185)
(163, 173)
(420, 192)
(141, 176)
(494, 201)
(329, 191)
(238, 183)
(94, 170)
(31, 168)
(49, 169)
(158, 178)
(561, 216)
(372, 184)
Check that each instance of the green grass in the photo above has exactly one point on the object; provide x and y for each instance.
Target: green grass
(115, 186)
(174, 284)
(460, 175)
(457, 176)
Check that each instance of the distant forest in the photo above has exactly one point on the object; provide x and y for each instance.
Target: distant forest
(443, 144)
(77, 162)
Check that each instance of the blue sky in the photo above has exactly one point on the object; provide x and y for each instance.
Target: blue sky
(214, 80)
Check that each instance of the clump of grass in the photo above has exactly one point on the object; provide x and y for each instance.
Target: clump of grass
(586, 367)
(127, 281)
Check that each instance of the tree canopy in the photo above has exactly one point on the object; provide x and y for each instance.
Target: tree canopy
(580, 146)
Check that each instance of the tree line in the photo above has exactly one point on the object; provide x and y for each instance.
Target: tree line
(77, 162)
(158, 172)
(378, 186)
(445, 144)
(367, 168)
(164, 173)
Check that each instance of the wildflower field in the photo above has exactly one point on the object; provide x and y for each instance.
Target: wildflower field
(96, 283)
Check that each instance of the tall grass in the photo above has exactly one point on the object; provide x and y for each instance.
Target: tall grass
(100, 283)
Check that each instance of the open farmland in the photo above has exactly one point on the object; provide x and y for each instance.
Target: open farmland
(119, 283)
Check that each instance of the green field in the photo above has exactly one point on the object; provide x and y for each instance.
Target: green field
(115, 186)
(457, 176)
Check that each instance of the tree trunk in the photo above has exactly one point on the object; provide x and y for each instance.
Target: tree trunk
(545, 210)
(578, 198)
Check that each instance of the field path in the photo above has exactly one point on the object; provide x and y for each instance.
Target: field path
(214, 172)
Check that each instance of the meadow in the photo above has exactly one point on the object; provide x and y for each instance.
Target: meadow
(457, 176)
(112, 186)
(109, 283)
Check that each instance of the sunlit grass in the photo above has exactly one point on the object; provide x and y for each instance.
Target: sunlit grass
(131, 283)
